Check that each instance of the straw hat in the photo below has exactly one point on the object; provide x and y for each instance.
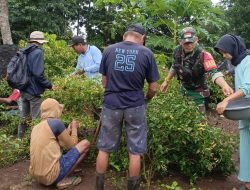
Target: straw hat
(37, 36)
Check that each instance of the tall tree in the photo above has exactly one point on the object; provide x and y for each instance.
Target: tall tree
(168, 17)
(237, 15)
(48, 16)
(105, 21)
(4, 23)
(162, 18)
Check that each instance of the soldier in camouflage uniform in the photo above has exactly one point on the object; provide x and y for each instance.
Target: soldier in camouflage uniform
(192, 64)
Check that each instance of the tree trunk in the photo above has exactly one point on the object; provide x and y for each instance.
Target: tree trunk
(4, 23)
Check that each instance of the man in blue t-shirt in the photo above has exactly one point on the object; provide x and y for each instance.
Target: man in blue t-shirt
(124, 68)
(89, 58)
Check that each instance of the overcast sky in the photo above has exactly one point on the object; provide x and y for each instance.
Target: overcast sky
(215, 1)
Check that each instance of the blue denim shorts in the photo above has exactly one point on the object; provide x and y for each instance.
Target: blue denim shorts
(134, 120)
(67, 161)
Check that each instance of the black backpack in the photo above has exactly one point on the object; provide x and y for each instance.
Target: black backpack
(17, 70)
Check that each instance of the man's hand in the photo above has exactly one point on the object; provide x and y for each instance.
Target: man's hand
(69, 129)
(74, 124)
(55, 87)
(13, 107)
(79, 72)
(227, 90)
(164, 86)
(152, 88)
(5, 100)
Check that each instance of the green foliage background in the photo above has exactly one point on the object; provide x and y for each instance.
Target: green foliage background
(105, 21)
(179, 137)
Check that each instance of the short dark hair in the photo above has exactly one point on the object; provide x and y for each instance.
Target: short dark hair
(136, 28)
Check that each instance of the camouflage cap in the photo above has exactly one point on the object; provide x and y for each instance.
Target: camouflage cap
(188, 34)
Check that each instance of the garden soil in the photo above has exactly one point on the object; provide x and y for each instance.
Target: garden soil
(16, 177)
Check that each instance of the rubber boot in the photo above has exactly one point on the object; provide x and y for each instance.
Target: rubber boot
(21, 130)
(133, 183)
(99, 183)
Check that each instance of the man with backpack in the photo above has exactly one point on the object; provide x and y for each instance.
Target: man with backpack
(191, 65)
(89, 59)
(31, 94)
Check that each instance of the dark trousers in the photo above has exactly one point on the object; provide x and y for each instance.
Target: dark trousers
(30, 107)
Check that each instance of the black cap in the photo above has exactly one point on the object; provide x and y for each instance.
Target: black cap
(137, 28)
(77, 40)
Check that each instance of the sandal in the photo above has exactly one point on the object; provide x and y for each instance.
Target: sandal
(69, 182)
(77, 170)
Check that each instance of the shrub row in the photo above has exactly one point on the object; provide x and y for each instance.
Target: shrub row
(178, 136)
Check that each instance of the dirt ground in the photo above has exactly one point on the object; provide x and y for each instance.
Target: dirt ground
(16, 177)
